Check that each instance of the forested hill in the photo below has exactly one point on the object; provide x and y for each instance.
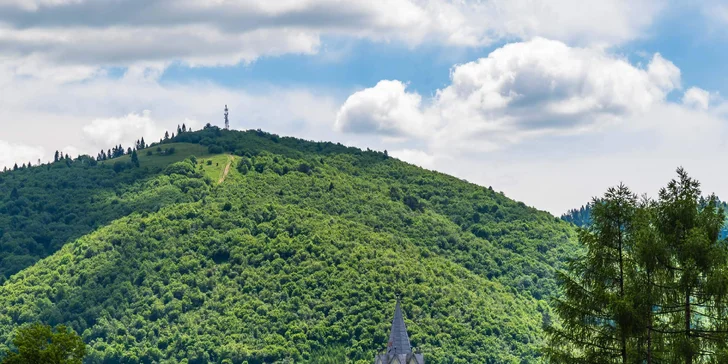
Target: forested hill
(227, 246)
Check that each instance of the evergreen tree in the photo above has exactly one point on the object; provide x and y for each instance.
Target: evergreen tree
(596, 310)
(55, 158)
(142, 144)
(134, 158)
(184, 128)
(652, 286)
(166, 135)
(695, 294)
(15, 167)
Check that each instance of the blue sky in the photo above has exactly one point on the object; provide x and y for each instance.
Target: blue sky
(344, 65)
(550, 102)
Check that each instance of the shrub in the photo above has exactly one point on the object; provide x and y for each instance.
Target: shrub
(214, 149)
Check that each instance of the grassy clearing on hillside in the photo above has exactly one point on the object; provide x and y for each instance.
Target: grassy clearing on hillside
(213, 167)
(159, 159)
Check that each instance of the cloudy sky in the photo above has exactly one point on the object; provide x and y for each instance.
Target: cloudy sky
(548, 101)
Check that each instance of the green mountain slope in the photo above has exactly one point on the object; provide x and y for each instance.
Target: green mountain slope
(298, 250)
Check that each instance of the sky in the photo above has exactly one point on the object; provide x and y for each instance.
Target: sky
(550, 102)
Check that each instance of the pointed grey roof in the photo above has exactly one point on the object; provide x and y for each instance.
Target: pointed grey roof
(399, 342)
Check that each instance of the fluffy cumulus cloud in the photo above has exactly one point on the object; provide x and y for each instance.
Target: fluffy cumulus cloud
(542, 115)
(386, 109)
(697, 97)
(75, 33)
(520, 90)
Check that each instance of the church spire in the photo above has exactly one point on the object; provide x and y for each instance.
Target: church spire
(399, 350)
(399, 342)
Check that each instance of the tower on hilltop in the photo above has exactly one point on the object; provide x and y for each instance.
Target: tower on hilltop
(227, 121)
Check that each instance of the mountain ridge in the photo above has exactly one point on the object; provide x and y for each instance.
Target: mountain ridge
(294, 210)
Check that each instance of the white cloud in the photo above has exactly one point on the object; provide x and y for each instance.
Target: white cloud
(716, 10)
(11, 153)
(75, 33)
(105, 111)
(123, 130)
(519, 91)
(696, 97)
(417, 157)
(511, 120)
(386, 109)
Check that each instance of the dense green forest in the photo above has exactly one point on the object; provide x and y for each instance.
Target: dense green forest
(227, 246)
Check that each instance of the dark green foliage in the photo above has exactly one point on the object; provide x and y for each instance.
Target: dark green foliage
(215, 149)
(413, 203)
(41, 344)
(596, 314)
(274, 264)
(580, 217)
(134, 158)
(43, 208)
(652, 286)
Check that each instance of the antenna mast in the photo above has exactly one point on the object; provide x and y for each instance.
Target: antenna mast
(227, 121)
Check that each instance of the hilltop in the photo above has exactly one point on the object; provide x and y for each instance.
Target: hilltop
(230, 246)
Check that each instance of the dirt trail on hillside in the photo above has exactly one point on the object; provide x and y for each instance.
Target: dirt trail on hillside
(227, 169)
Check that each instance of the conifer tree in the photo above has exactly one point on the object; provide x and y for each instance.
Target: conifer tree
(134, 158)
(695, 294)
(596, 310)
(652, 285)
(55, 158)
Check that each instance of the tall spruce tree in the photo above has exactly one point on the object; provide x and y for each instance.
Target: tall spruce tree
(596, 310)
(695, 291)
